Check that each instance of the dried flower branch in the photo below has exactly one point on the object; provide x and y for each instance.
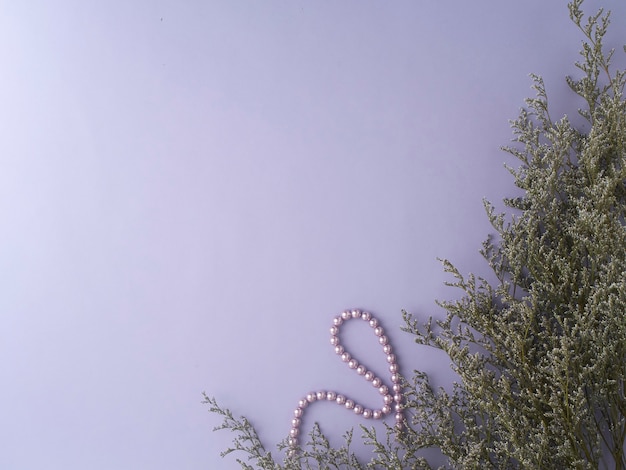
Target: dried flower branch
(541, 356)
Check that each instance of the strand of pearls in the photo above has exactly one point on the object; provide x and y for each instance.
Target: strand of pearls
(391, 396)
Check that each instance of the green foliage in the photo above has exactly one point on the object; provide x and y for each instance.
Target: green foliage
(541, 354)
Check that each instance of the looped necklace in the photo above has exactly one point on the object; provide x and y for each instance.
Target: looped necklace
(390, 396)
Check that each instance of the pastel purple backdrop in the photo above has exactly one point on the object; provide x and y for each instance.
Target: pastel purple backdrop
(190, 191)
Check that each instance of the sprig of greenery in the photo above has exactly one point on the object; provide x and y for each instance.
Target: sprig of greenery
(540, 355)
(317, 452)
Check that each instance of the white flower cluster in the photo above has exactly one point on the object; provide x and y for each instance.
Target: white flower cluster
(541, 356)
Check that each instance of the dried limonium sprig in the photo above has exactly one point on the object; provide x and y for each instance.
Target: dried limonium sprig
(541, 353)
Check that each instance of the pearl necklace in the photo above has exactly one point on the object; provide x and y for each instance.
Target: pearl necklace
(389, 396)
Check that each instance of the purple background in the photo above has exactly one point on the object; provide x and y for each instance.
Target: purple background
(190, 191)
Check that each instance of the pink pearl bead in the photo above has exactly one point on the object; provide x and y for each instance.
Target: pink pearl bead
(389, 397)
